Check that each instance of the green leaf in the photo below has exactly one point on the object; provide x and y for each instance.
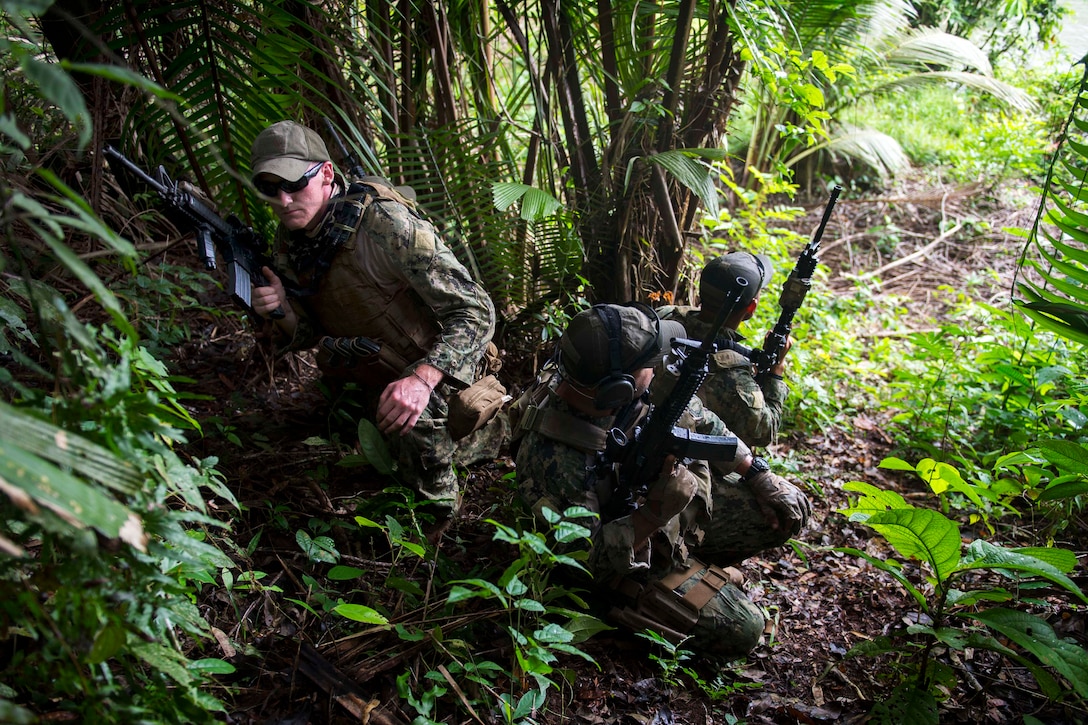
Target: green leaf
(872, 500)
(922, 534)
(984, 555)
(1038, 637)
(164, 659)
(31, 482)
(120, 74)
(536, 205)
(211, 666)
(107, 643)
(321, 548)
(582, 627)
(895, 464)
(59, 88)
(375, 448)
(360, 613)
(344, 573)
(696, 175)
(1065, 455)
(1060, 490)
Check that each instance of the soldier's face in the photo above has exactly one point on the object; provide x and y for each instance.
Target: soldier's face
(302, 208)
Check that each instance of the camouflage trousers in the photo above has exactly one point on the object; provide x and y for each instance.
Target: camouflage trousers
(685, 592)
(426, 455)
(735, 529)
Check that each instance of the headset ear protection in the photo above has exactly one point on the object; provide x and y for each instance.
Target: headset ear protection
(618, 389)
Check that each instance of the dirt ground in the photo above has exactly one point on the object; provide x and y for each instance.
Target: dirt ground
(276, 443)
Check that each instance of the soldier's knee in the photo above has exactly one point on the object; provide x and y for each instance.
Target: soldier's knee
(698, 606)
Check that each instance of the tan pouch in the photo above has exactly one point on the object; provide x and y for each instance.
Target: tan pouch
(473, 407)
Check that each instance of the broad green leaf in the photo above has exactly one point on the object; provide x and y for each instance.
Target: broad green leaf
(582, 627)
(374, 447)
(568, 531)
(123, 75)
(31, 482)
(341, 573)
(1063, 560)
(984, 555)
(107, 643)
(360, 613)
(922, 534)
(68, 450)
(211, 666)
(1059, 490)
(684, 165)
(1038, 637)
(536, 204)
(895, 464)
(321, 548)
(941, 477)
(872, 500)
(1065, 455)
(164, 659)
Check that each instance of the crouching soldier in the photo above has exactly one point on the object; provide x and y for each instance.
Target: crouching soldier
(661, 566)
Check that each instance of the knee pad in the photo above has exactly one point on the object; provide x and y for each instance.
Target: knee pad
(698, 604)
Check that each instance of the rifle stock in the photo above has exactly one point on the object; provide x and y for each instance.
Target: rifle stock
(791, 299)
(237, 244)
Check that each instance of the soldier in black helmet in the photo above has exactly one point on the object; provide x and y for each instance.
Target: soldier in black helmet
(664, 565)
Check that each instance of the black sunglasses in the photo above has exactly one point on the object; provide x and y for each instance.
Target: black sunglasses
(273, 188)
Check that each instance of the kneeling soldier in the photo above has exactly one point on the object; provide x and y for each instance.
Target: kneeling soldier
(662, 564)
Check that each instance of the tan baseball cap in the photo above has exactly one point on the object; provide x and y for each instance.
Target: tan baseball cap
(608, 340)
(287, 150)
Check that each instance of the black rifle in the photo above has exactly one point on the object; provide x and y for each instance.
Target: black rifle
(641, 456)
(240, 246)
(791, 299)
(355, 168)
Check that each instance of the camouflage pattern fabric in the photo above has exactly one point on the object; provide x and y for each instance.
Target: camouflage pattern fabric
(751, 408)
(554, 475)
(463, 312)
(425, 454)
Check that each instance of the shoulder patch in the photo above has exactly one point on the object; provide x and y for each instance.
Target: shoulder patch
(726, 359)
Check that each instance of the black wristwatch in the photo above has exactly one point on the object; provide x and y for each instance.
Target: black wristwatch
(757, 466)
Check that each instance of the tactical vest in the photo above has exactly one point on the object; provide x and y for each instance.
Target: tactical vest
(365, 292)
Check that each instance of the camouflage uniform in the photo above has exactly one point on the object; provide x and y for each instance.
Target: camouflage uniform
(722, 525)
(750, 406)
(391, 279)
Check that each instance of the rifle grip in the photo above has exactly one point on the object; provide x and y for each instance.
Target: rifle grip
(277, 314)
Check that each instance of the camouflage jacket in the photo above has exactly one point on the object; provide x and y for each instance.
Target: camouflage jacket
(556, 475)
(411, 292)
(751, 407)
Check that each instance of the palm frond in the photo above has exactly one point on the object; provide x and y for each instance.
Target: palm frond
(1005, 93)
(875, 149)
(923, 47)
(1054, 263)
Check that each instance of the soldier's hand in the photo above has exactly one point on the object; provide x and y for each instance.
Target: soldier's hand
(403, 400)
(779, 368)
(267, 299)
(784, 506)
